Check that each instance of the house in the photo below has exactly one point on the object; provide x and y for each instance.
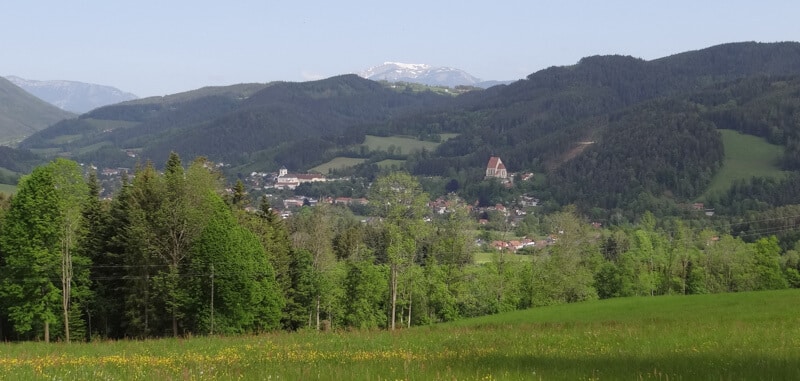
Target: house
(286, 180)
(496, 169)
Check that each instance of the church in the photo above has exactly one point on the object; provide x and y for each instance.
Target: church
(496, 168)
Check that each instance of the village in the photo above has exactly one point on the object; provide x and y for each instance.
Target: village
(281, 190)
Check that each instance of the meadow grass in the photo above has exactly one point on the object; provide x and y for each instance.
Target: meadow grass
(746, 156)
(389, 163)
(407, 145)
(337, 163)
(746, 336)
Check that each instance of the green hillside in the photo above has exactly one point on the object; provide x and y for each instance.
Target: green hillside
(742, 336)
(398, 144)
(613, 134)
(337, 163)
(297, 122)
(22, 114)
(745, 156)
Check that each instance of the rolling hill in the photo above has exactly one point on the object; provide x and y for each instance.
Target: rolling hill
(22, 114)
(611, 131)
(231, 124)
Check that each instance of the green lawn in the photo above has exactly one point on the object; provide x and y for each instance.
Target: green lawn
(745, 156)
(744, 336)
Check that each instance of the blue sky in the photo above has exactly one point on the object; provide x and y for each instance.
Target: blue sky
(163, 47)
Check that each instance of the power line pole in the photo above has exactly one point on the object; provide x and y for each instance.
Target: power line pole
(212, 299)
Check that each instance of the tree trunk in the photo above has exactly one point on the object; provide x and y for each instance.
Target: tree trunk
(66, 283)
(393, 286)
(318, 303)
(174, 322)
(174, 278)
(46, 331)
(409, 308)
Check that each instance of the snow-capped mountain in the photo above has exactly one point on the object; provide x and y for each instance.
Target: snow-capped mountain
(77, 97)
(420, 73)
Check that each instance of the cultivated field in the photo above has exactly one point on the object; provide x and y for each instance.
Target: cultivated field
(746, 336)
(745, 156)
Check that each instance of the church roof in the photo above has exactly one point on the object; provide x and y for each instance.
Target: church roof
(495, 163)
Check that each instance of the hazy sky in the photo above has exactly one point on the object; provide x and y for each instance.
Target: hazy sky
(167, 46)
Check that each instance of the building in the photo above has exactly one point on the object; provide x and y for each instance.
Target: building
(286, 180)
(496, 168)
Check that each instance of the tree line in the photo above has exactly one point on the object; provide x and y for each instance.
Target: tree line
(174, 253)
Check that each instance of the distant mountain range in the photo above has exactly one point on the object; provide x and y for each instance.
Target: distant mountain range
(425, 74)
(22, 114)
(77, 97)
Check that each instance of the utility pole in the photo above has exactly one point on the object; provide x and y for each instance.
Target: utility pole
(212, 299)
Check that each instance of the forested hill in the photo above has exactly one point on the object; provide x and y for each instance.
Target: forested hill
(230, 123)
(610, 131)
(535, 121)
(298, 121)
(22, 114)
(624, 125)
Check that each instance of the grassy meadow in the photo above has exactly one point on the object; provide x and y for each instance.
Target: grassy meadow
(337, 163)
(746, 336)
(745, 156)
(406, 145)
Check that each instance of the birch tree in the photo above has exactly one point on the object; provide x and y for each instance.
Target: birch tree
(39, 238)
(398, 199)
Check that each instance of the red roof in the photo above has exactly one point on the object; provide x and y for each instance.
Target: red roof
(496, 163)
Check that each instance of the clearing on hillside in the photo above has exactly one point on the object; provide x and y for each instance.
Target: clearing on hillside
(337, 163)
(746, 156)
(405, 144)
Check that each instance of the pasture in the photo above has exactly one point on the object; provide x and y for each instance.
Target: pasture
(746, 156)
(401, 146)
(406, 145)
(337, 163)
(745, 336)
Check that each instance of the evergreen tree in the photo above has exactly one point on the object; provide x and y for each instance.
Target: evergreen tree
(92, 244)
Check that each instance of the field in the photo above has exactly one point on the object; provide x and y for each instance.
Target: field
(337, 163)
(745, 156)
(745, 336)
(389, 163)
(405, 144)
